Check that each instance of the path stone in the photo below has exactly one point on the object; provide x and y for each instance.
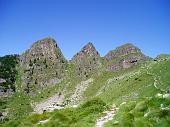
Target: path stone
(109, 116)
(52, 103)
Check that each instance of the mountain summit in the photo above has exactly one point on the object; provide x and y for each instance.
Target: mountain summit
(123, 50)
(87, 60)
(43, 65)
(87, 50)
(124, 57)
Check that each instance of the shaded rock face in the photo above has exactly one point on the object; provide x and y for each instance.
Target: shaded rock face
(124, 57)
(43, 65)
(87, 61)
(132, 60)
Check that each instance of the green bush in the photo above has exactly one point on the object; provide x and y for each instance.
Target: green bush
(14, 123)
(127, 120)
(128, 106)
(141, 106)
(37, 117)
(93, 102)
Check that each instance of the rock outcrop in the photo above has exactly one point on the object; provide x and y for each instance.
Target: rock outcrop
(124, 57)
(43, 65)
(87, 61)
(2, 80)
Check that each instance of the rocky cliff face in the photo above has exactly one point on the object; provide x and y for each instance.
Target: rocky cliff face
(87, 61)
(43, 65)
(122, 51)
(124, 57)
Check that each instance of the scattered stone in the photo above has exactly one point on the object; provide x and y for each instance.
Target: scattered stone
(43, 121)
(167, 95)
(109, 116)
(80, 88)
(50, 104)
(123, 103)
(2, 80)
(158, 95)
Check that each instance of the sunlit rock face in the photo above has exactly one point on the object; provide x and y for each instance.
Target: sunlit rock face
(87, 61)
(124, 57)
(42, 65)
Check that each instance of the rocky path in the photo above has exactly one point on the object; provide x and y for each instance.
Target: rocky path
(52, 103)
(80, 89)
(56, 101)
(109, 116)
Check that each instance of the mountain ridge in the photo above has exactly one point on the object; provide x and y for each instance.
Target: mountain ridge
(125, 86)
(45, 57)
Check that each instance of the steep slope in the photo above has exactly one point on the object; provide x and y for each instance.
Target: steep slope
(42, 65)
(141, 94)
(87, 61)
(8, 74)
(149, 104)
(124, 57)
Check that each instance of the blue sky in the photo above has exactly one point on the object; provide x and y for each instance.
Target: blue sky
(73, 23)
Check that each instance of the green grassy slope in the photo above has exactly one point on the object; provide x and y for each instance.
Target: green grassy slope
(148, 109)
(83, 116)
(137, 86)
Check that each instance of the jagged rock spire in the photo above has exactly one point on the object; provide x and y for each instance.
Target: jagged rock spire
(87, 60)
(43, 65)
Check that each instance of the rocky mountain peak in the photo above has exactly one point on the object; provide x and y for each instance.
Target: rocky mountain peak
(124, 57)
(87, 60)
(87, 51)
(43, 65)
(45, 47)
(89, 44)
(47, 40)
(123, 50)
(90, 49)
